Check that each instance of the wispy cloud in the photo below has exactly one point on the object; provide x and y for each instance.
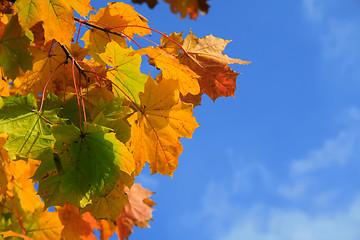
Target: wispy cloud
(279, 224)
(336, 28)
(335, 151)
(300, 205)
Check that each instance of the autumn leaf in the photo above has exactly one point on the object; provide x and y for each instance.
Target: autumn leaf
(52, 67)
(111, 205)
(25, 206)
(14, 234)
(137, 213)
(118, 17)
(156, 130)
(83, 7)
(172, 44)
(45, 226)
(172, 69)
(191, 7)
(24, 186)
(57, 17)
(111, 115)
(86, 165)
(14, 52)
(75, 225)
(29, 130)
(107, 229)
(125, 72)
(204, 56)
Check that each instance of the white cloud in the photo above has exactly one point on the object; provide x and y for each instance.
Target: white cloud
(280, 224)
(335, 151)
(335, 25)
(295, 191)
(312, 9)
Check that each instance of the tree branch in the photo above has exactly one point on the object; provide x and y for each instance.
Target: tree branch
(69, 56)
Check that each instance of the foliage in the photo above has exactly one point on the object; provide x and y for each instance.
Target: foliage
(81, 120)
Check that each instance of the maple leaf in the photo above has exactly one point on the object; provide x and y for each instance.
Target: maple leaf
(119, 17)
(27, 205)
(76, 226)
(14, 52)
(125, 72)
(111, 115)
(21, 172)
(171, 43)
(156, 130)
(57, 17)
(172, 69)
(191, 7)
(46, 66)
(29, 130)
(14, 234)
(44, 226)
(137, 213)
(86, 166)
(106, 228)
(111, 205)
(204, 56)
(83, 7)
(3, 166)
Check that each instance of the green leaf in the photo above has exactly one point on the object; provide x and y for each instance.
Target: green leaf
(13, 49)
(29, 130)
(112, 115)
(125, 72)
(88, 166)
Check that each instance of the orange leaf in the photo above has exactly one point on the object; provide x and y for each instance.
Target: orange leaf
(107, 229)
(156, 130)
(76, 226)
(137, 213)
(14, 234)
(204, 56)
(173, 69)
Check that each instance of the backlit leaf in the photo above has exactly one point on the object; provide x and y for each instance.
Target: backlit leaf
(156, 130)
(172, 69)
(125, 72)
(14, 52)
(29, 130)
(88, 165)
(204, 56)
(57, 17)
(137, 213)
(75, 225)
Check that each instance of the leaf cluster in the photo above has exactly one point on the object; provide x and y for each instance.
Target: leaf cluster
(82, 120)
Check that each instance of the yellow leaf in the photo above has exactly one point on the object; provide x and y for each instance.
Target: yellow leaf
(81, 6)
(24, 186)
(156, 130)
(111, 205)
(45, 226)
(118, 17)
(173, 69)
(57, 17)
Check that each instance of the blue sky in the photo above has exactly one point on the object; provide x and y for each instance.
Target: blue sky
(281, 160)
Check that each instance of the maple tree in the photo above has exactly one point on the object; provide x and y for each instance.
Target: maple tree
(81, 119)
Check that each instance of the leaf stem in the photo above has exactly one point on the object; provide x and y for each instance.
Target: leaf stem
(69, 56)
(18, 214)
(127, 96)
